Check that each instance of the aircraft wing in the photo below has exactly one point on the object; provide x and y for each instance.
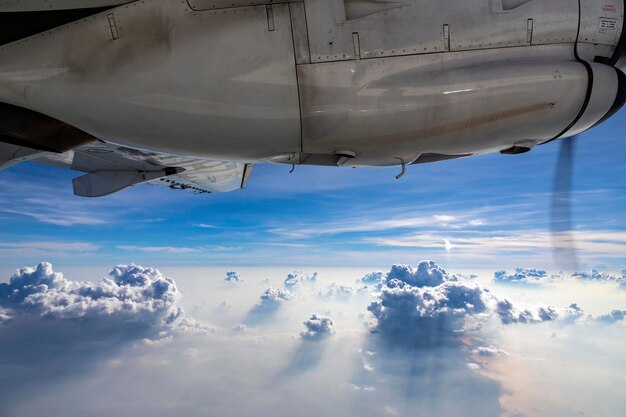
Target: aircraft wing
(110, 168)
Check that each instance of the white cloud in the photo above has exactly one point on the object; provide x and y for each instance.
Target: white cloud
(232, 276)
(45, 249)
(53, 246)
(427, 274)
(59, 217)
(363, 225)
(296, 278)
(426, 306)
(615, 316)
(338, 292)
(272, 299)
(4, 316)
(520, 275)
(595, 275)
(131, 294)
(443, 219)
(510, 313)
(225, 248)
(489, 351)
(486, 244)
(159, 249)
(318, 328)
(206, 226)
(358, 388)
(426, 316)
(374, 279)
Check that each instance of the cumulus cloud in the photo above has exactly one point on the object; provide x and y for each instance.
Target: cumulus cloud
(510, 313)
(595, 275)
(572, 313)
(520, 275)
(373, 279)
(268, 305)
(489, 351)
(272, 299)
(426, 306)
(232, 276)
(131, 293)
(427, 274)
(298, 278)
(615, 316)
(337, 292)
(429, 315)
(318, 328)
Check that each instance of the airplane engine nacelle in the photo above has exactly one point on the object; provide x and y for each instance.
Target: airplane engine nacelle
(606, 94)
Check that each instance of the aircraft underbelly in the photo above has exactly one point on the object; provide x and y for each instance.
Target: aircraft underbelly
(460, 104)
(319, 82)
(165, 78)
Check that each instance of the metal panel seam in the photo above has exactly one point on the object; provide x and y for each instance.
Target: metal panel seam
(295, 67)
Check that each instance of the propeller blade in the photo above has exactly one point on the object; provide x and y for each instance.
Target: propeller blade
(564, 246)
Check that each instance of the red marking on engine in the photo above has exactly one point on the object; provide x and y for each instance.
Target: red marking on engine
(609, 8)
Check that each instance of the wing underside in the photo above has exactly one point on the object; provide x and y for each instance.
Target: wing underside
(109, 168)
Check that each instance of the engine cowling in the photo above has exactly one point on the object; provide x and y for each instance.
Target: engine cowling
(606, 95)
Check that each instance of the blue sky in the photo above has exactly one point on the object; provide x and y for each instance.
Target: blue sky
(493, 210)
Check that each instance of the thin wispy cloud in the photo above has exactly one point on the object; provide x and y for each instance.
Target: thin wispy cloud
(607, 243)
(58, 217)
(206, 226)
(369, 224)
(159, 249)
(45, 249)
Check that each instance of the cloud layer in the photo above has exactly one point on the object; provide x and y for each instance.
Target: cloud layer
(435, 336)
